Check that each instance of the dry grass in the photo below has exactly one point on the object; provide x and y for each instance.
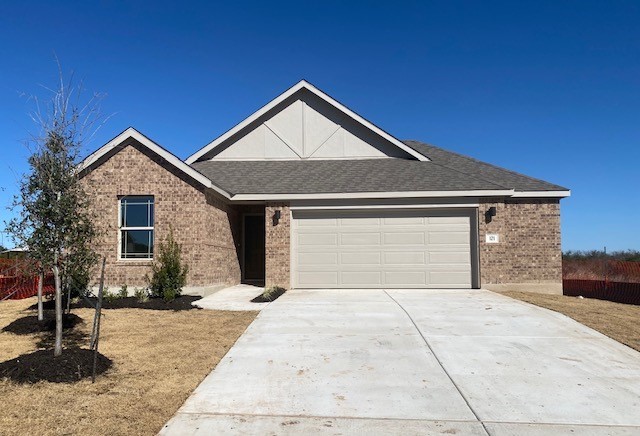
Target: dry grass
(159, 358)
(616, 320)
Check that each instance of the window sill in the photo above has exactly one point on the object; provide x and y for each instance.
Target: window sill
(135, 262)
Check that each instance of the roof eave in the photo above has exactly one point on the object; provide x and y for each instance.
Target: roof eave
(542, 194)
(505, 193)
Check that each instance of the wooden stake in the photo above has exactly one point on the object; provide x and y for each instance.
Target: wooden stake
(92, 342)
(40, 284)
(57, 350)
(97, 325)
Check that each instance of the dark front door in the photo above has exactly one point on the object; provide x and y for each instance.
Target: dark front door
(254, 248)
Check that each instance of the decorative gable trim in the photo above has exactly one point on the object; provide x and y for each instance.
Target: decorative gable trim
(282, 97)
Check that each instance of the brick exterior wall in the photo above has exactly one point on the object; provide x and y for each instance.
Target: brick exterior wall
(528, 255)
(205, 226)
(278, 245)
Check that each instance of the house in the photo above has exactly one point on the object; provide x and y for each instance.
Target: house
(305, 193)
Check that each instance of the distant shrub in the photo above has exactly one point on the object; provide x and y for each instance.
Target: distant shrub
(601, 269)
(109, 296)
(123, 292)
(79, 281)
(141, 294)
(168, 275)
(626, 255)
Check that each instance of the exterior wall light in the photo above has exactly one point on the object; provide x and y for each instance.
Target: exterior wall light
(489, 214)
(276, 217)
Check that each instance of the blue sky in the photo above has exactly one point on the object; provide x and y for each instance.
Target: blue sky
(550, 89)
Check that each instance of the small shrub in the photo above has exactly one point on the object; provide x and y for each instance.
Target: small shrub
(109, 296)
(169, 294)
(269, 294)
(141, 294)
(79, 281)
(168, 275)
(123, 292)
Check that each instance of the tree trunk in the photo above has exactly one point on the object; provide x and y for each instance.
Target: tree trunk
(68, 295)
(56, 276)
(40, 284)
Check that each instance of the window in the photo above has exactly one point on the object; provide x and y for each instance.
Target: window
(136, 227)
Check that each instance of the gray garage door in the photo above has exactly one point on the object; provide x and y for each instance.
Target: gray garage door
(390, 249)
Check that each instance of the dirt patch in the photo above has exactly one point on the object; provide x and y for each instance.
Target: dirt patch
(28, 325)
(74, 365)
(181, 303)
(158, 358)
(616, 320)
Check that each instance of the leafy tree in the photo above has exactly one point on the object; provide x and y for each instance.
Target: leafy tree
(52, 217)
(168, 275)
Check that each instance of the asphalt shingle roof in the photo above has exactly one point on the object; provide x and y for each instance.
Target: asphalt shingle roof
(468, 165)
(446, 171)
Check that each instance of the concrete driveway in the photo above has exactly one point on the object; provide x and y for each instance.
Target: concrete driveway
(416, 362)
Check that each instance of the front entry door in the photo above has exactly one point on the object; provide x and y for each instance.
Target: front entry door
(254, 252)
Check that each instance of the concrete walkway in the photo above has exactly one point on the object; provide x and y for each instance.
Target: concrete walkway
(236, 297)
(416, 362)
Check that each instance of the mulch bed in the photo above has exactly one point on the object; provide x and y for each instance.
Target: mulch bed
(181, 303)
(28, 325)
(268, 297)
(72, 366)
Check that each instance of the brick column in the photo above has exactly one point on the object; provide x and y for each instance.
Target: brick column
(528, 255)
(277, 245)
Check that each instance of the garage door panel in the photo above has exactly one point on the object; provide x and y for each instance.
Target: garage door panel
(360, 258)
(403, 221)
(318, 222)
(450, 278)
(449, 267)
(318, 239)
(318, 279)
(449, 257)
(411, 249)
(404, 238)
(361, 279)
(359, 239)
(315, 258)
(360, 222)
(449, 220)
(454, 248)
(404, 258)
(449, 237)
(405, 278)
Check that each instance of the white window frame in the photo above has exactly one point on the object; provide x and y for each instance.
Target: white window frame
(122, 229)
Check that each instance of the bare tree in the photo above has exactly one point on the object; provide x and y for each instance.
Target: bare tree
(52, 219)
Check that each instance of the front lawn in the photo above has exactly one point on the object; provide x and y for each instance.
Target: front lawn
(157, 358)
(616, 320)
